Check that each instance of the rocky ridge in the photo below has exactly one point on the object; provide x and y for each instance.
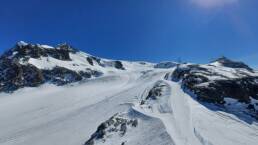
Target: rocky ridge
(21, 66)
(116, 125)
(219, 80)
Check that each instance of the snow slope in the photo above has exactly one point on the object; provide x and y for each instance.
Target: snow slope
(68, 114)
(71, 114)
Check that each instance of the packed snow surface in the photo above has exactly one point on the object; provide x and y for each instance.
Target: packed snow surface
(69, 115)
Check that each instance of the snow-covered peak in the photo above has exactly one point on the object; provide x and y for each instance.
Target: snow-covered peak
(59, 65)
(22, 43)
(226, 62)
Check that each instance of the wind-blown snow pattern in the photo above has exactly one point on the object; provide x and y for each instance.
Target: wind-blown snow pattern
(140, 104)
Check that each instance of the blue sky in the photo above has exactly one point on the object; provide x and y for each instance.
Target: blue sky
(152, 30)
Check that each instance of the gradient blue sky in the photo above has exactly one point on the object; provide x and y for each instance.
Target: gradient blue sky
(151, 30)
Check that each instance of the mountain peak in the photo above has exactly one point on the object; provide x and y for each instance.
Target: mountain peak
(21, 43)
(224, 61)
(28, 50)
(29, 65)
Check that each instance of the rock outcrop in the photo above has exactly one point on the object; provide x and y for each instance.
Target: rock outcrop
(219, 80)
(116, 125)
(16, 71)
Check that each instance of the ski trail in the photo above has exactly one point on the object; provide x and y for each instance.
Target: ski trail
(168, 118)
(68, 115)
(182, 115)
(178, 122)
(197, 125)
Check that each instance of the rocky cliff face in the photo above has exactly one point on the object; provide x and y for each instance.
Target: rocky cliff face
(24, 50)
(18, 68)
(15, 75)
(219, 80)
(117, 125)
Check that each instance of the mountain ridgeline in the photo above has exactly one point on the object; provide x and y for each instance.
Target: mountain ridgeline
(76, 98)
(17, 69)
(30, 65)
(21, 66)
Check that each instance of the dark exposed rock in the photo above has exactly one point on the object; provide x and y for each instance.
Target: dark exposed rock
(11, 75)
(89, 59)
(115, 64)
(251, 107)
(18, 76)
(20, 51)
(88, 73)
(92, 59)
(119, 65)
(157, 98)
(123, 128)
(61, 76)
(16, 72)
(100, 131)
(89, 142)
(135, 123)
(241, 89)
(116, 124)
(14, 75)
(196, 79)
(37, 51)
(96, 59)
(61, 53)
(155, 92)
(181, 72)
(32, 76)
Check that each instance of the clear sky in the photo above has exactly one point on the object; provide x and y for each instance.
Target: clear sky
(152, 30)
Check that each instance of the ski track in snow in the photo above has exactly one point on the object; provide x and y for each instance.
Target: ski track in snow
(68, 115)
